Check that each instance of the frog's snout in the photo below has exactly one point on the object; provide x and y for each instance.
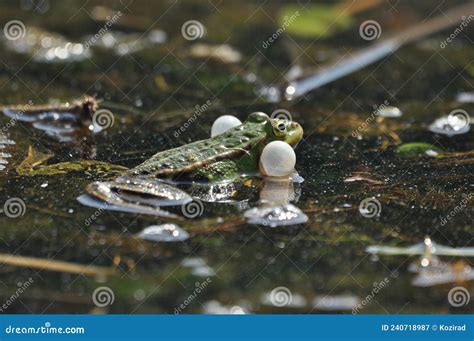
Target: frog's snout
(294, 134)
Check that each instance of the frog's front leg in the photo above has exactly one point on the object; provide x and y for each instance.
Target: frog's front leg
(135, 195)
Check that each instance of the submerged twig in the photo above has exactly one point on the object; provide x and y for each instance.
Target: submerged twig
(54, 265)
(298, 87)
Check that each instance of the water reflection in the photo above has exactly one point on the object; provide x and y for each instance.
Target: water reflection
(429, 269)
(275, 209)
(216, 307)
(163, 233)
(4, 142)
(427, 249)
(441, 273)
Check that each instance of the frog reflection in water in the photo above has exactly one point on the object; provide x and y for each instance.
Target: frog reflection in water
(223, 157)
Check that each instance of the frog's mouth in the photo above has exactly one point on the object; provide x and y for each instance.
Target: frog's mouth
(294, 134)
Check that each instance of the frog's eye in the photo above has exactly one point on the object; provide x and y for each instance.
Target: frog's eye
(279, 128)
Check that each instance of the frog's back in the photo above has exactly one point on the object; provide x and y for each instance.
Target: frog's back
(229, 145)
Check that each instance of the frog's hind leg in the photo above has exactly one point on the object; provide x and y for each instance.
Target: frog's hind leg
(134, 195)
(217, 171)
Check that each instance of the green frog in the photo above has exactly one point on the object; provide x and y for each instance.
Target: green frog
(224, 157)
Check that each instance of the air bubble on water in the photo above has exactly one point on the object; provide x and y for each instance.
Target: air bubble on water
(163, 233)
(297, 178)
(390, 112)
(449, 125)
(465, 97)
(282, 215)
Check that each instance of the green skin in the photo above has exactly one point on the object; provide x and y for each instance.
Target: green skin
(224, 156)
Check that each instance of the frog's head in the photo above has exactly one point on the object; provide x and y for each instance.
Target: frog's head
(278, 129)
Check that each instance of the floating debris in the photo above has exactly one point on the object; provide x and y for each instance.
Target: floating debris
(316, 21)
(370, 178)
(223, 53)
(282, 215)
(414, 149)
(426, 248)
(315, 78)
(451, 125)
(164, 233)
(61, 121)
(48, 47)
(339, 302)
(390, 112)
(198, 267)
(465, 97)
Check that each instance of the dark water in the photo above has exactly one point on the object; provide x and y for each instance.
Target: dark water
(153, 91)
